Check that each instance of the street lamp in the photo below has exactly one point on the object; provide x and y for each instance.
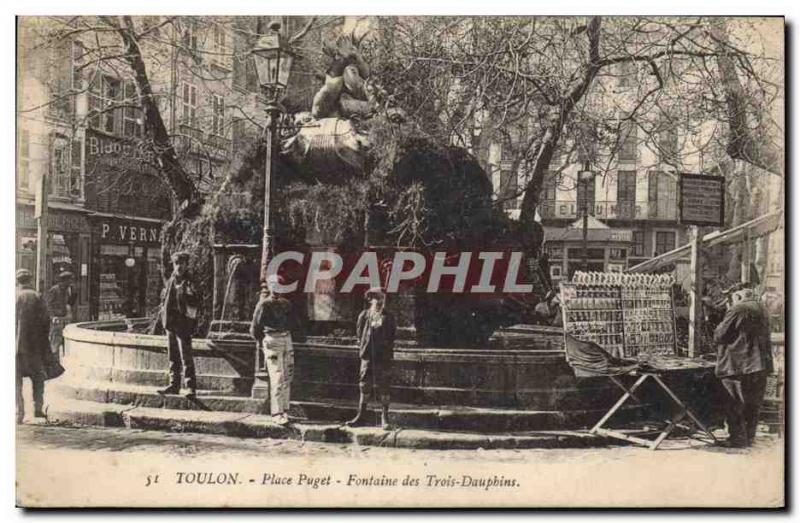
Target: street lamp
(273, 61)
(586, 178)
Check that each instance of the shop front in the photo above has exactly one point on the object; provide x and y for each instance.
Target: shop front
(126, 266)
(68, 248)
(607, 249)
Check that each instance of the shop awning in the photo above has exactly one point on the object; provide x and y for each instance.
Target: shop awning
(98, 214)
(566, 234)
(761, 226)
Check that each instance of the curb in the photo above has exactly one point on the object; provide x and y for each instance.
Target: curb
(245, 425)
(324, 411)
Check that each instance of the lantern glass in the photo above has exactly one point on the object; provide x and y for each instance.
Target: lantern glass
(273, 62)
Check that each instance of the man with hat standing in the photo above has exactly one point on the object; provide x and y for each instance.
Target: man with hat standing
(61, 299)
(179, 316)
(744, 359)
(375, 330)
(33, 322)
(271, 328)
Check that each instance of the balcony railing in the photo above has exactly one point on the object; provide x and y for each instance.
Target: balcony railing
(220, 144)
(189, 131)
(610, 210)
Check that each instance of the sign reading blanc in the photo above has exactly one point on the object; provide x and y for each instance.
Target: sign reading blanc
(702, 199)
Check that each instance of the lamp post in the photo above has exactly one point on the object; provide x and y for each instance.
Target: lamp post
(273, 61)
(586, 177)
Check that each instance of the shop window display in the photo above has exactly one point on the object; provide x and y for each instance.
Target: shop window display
(130, 281)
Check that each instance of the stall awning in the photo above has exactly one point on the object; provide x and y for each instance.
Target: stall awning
(761, 226)
(596, 231)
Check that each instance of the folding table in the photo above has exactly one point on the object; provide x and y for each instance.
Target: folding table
(589, 359)
(683, 412)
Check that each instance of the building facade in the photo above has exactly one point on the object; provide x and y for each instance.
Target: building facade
(80, 123)
(632, 208)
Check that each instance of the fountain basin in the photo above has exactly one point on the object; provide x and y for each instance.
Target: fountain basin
(503, 387)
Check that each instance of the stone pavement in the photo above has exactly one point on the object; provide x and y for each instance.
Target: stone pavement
(65, 411)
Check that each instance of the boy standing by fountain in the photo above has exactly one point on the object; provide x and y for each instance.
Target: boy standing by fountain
(271, 330)
(179, 314)
(375, 331)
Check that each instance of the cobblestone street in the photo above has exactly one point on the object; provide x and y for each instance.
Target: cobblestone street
(35, 438)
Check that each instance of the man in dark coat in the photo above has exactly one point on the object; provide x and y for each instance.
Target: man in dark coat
(744, 359)
(179, 315)
(33, 325)
(375, 330)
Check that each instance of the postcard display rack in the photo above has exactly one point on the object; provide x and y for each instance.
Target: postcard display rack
(629, 315)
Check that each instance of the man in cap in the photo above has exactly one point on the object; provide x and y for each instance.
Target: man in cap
(271, 328)
(179, 317)
(33, 322)
(61, 299)
(744, 359)
(375, 330)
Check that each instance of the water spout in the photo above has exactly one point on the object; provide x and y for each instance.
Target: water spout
(233, 265)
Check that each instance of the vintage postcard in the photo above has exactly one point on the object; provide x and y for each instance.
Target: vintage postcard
(415, 261)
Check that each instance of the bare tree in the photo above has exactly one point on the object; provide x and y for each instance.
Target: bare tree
(538, 83)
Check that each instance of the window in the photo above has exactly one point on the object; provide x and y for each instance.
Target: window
(508, 188)
(190, 36)
(592, 253)
(24, 177)
(626, 193)
(555, 271)
(59, 168)
(131, 116)
(547, 207)
(662, 190)
(616, 253)
(627, 144)
(78, 53)
(665, 242)
(555, 251)
(240, 69)
(65, 167)
(626, 75)
(638, 243)
(103, 94)
(62, 73)
(586, 195)
(668, 145)
(549, 189)
(188, 105)
(238, 133)
(75, 178)
(219, 38)
(221, 55)
(218, 115)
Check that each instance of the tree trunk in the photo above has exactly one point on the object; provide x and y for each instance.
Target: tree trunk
(746, 142)
(741, 214)
(552, 135)
(186, 195)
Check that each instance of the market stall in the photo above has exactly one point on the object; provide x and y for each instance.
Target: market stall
(618, 325)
